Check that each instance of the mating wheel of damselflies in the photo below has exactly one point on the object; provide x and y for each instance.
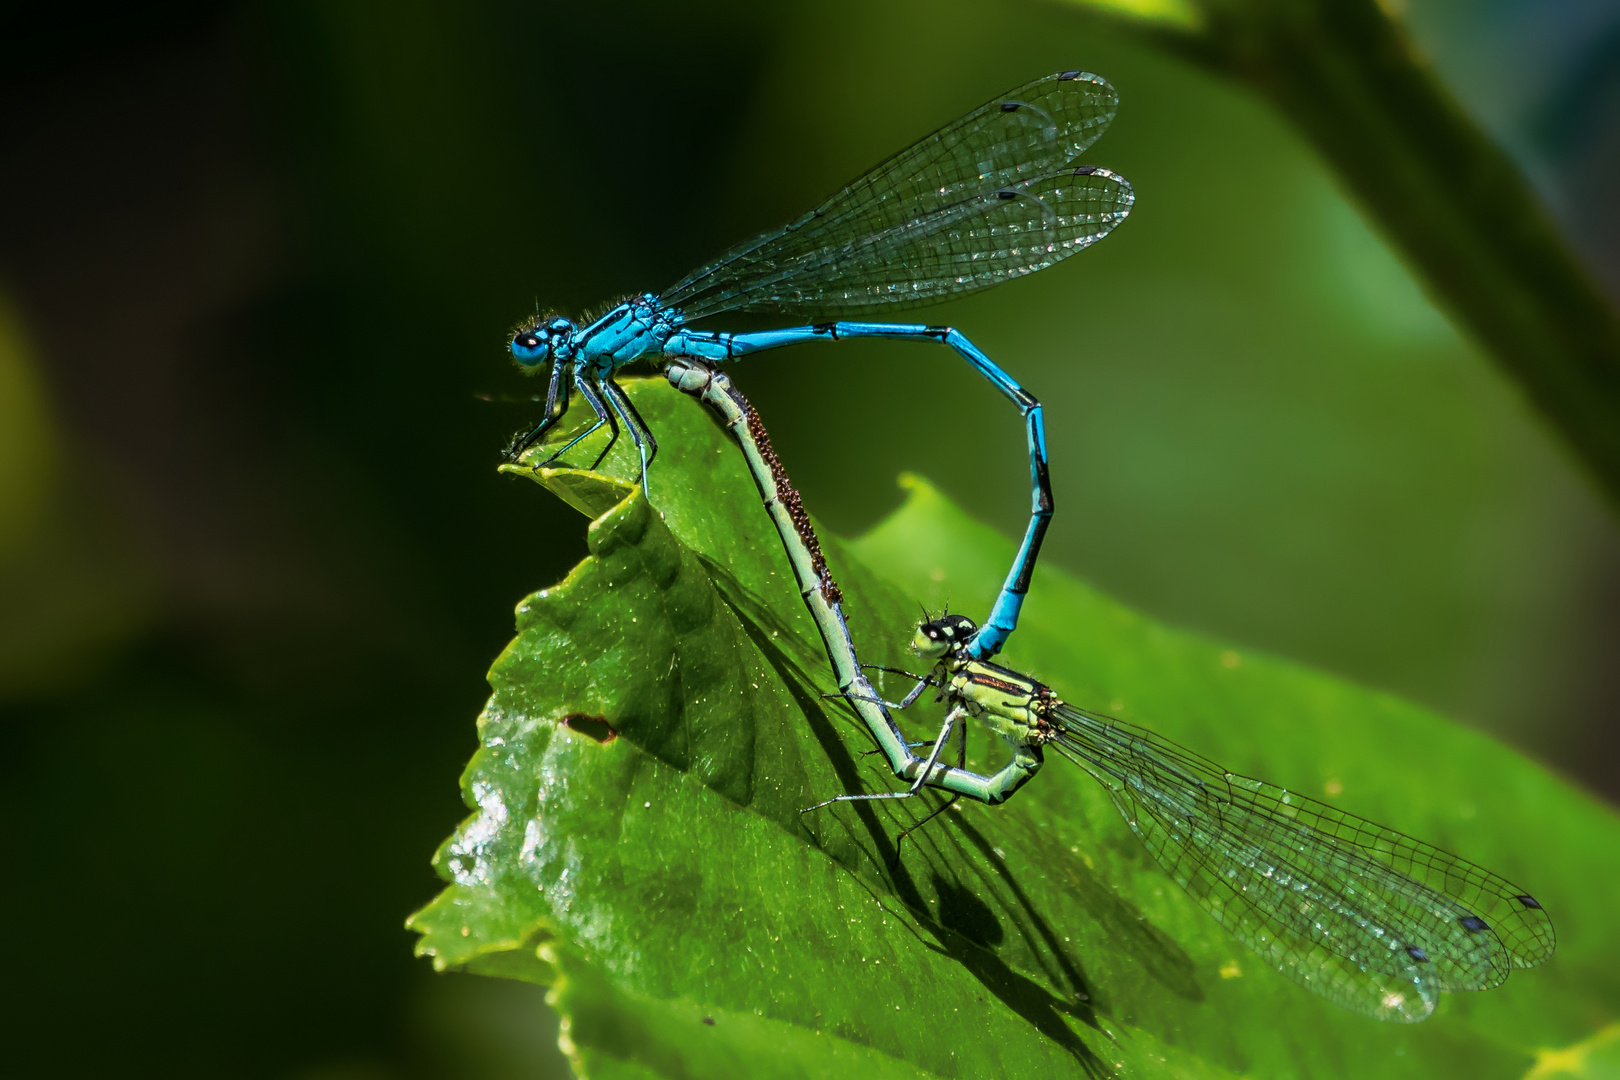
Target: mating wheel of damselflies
(1370, 919)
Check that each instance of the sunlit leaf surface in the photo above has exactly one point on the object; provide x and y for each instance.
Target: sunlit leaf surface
(656, 726)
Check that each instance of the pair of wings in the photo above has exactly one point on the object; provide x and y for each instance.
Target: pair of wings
(1368, 918)
(989, 197)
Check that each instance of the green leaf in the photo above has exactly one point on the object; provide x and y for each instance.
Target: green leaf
(1350, 78)
(657, 726)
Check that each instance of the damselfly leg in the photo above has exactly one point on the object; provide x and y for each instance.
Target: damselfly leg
(603, 416)
(646, 445)
(556, 407)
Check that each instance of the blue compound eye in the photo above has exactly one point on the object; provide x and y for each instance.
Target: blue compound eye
(529, 348)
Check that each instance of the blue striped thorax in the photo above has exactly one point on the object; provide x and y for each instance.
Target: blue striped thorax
(636, 328)
(629, 331)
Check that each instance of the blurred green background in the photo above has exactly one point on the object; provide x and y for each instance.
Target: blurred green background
(256, 261)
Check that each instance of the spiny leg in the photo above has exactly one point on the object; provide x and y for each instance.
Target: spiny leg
(556, 384)
(909, 746)
(916, 785)
(593, 393)
(634, 417)
(894, 671)
(923, 682)
(640, 434)
(932, 814)
(961, 763)
(603, 416)
(903, 703)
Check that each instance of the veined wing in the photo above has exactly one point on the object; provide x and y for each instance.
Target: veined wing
(1369, 918)
(979, 241)
(1029, 132)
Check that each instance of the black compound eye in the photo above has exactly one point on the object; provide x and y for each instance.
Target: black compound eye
(527, 341)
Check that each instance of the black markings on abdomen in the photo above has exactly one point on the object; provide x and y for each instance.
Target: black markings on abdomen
(788, 496)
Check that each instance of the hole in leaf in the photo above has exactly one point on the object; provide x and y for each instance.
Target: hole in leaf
(595, 727)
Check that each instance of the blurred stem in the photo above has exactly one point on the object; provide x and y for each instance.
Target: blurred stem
(1348, 76)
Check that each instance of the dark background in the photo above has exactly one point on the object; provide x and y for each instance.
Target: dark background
(256, 261)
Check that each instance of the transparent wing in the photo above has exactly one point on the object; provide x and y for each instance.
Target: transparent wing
(1024, 135)
(1361, 914)
(981, 241)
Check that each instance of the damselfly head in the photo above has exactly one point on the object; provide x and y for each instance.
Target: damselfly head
(936, 637)
(545, 340)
